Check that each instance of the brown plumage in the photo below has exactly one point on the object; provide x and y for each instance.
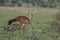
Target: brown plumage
(21, 19)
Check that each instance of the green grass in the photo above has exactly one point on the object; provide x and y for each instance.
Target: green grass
(43, 16)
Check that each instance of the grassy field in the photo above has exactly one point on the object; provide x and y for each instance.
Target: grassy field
(43, 16)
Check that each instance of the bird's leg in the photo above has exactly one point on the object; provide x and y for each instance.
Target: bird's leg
(22, 30)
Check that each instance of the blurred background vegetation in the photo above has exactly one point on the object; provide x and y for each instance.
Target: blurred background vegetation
(39, 3)
(46, 18)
